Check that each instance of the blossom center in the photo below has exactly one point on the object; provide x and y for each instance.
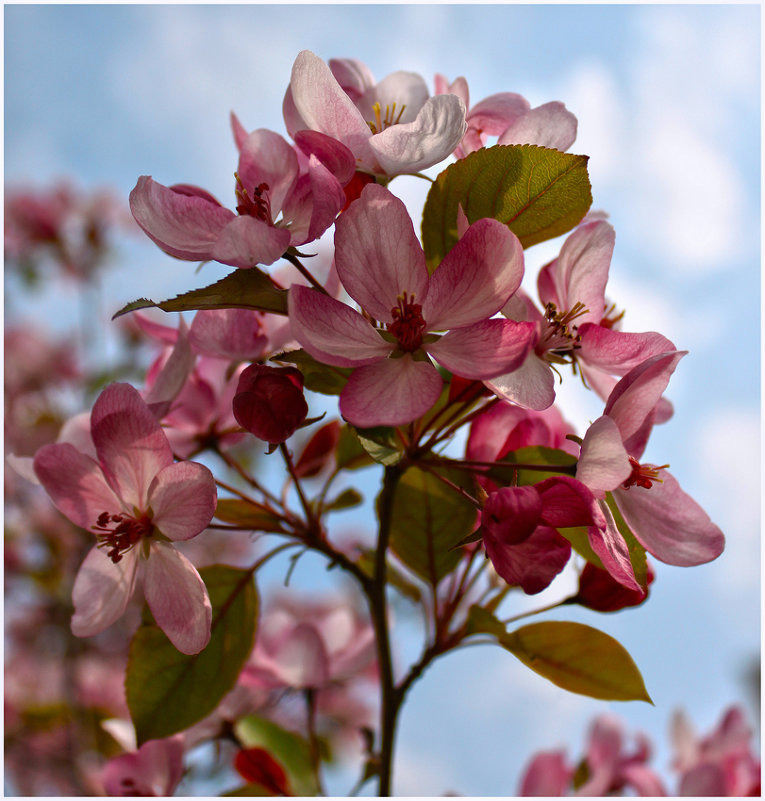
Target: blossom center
(561, 338)
(408, 323)
(255, 204)
(120, 532)
(643, 475)
(379, 123)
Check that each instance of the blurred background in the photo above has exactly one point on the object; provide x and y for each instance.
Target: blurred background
(668, 103)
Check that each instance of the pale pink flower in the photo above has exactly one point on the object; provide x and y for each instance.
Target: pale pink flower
(667, 522)
(546, 774)
(382, 266)
(136, 501)
(575, 327)
(279, 205)
(392, 127)
(155, 769)
(723, 763)
(510, 117)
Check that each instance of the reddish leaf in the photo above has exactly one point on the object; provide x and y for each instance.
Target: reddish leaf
(319, 450)
(257, 766)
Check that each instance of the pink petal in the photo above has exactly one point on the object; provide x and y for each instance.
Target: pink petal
(377, 253)
(546, 775)
(324, 106)
(567, 502)
(634, 398)
(603, 462)
(532, 385)
(75, 484)
(167, 383)
(459, 87)
(476, 278)
(669, 523)
(184, 226)
(496, 113)
(702, 781)
(332, 332)
(400, 96)
(302, 661)
(531, 564)
(183, 497)
(390, 392)
(130, 443)
(234, 334)
(580, 272)
(266, 157)
(154, 770)
(247, 241)
(334, 155)
(177, 598)
(239, 131)
(609, 546)
(312, 207)
(353, 76)
(549, 125)
(102, 590)
(434, 134)
(618, 352)
(511, 515)
(485, 349)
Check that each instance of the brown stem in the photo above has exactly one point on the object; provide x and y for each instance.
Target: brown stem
(303, 270)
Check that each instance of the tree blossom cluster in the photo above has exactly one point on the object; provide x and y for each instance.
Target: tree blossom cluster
(172, 475)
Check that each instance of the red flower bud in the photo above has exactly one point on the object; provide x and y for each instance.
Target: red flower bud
(599, 591)
(257, 766)
(269, 402)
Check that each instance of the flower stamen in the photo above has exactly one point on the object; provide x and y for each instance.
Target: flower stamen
(643, 475)
(258, 205)
(408, 323)
(120, 533)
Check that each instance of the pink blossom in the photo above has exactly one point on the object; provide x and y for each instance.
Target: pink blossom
(155, 769)
(575, 327)
(667, 522)
(510, 117)
(136, 501)
(519, 529)
(382, 266)
(391, 127)
(721, 764)
(546, 774)
(279, 205)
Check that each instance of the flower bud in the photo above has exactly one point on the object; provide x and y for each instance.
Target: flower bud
(269, 402)
(599, 591)
(511, 514)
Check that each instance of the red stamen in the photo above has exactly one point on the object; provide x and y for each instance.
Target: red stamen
(643, 475)
(258, 205)
(120, 533)
(408, 323)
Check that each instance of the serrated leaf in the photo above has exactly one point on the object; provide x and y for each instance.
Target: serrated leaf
(350, 455)
(428, 519)
(536, 455)
(290, 749)
(253, 515)
(538, 192)
(381, 444)
(347, 499)
(636, 550)
(168, 691)
(579, 659)
(242, 289)
(318, 377)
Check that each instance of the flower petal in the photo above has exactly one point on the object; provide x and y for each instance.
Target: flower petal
(75, 484)
(532, 385)
(234, 334)
(413, 146)
(669, 523)
(377, 253)
(246, 241)
(183, 225)
(549, 125)
(390, 392)
(603, 463)
(476, 278)
(266, 157)
(485, 349)
(130, 443)
(183, 497)
(618, 352)
(609, 546)
(332, 332)
(567, 502)
(177, 598)
(102, 590)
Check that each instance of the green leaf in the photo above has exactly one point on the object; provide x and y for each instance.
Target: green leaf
(636, 550)
(350, 455)
(318, 377)
(580, 542)
(428, 519)
(538, 192)
(381, 444)
(168, 691)
(578, 658)
(347, 499)
(481, 621)
(253, 515)
(533, 455)
(242, 289)
(288, 748)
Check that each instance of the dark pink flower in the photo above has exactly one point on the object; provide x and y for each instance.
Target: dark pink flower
(136, 501)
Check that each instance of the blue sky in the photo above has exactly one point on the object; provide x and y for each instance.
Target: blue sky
(668, 103)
